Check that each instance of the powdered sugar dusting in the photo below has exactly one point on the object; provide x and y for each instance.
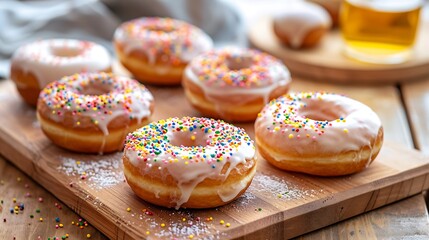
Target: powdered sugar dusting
(242, 203)
(36, 124)
(183, 224)
(278, 187)
(97, 173)
(196, 229)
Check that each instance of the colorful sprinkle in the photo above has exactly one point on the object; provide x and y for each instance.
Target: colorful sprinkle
(96, 96)
(223, 140)
(238, 67)
(164, 39)
(286, 116)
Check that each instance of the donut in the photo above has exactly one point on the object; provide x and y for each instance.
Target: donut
(93, 112)
(234, 84)
(189, 162)
(333, 8)
(318, 133)
(301, 25)
(157, 50)
(35, 65)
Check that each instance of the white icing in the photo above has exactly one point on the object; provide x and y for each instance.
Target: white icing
(50, 60)
(188, 176)
(137, 98)
(359, 126)
(276, 75)
(300, 18)
(229, 193)
(187, 41)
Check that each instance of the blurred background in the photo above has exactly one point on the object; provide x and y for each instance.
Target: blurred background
(96, 20)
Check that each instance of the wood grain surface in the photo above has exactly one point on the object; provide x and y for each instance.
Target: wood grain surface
(407, 219)
(15, 184)
(278, 203)
(327, 63)
(416, 99)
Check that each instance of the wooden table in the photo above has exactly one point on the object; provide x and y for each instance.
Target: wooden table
(403, 111)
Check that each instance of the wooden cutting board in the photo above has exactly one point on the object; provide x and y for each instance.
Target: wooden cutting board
(326, 62)
(277, 205)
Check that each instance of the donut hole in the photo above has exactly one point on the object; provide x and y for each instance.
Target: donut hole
(236, 63)
(160, 29)
(67, 52)
(95, 89)
(188, 139)
(325, 111)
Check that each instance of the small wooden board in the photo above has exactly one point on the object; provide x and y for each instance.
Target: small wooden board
(277, 205)
(326, 61)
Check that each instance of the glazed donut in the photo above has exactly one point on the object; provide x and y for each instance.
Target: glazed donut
(234, 84)
(333, 8)
(189, 162)
(156, 50)
(301, 25)
(93, 113)
(318, 133)
(35, 65)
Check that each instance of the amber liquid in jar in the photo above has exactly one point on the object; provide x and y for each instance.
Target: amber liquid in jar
(380, 31)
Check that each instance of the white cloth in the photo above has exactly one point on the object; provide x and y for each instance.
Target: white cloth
(96, 20)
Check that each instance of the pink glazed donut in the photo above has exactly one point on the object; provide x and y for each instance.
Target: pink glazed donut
(35, 65)
(318, 133)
